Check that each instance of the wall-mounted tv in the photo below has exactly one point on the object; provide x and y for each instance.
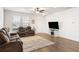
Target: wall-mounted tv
(53, 25)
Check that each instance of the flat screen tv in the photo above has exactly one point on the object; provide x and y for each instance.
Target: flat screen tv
(53, 25)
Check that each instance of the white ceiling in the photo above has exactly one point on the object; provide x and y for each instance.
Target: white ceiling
(31, 9)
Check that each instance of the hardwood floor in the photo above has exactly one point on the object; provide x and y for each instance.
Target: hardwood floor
(62, 45)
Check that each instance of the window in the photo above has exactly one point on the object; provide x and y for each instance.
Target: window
(21, 21)
(16, 21)
(26, 21)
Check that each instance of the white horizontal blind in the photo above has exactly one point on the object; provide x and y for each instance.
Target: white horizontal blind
(19, 21)
(26, 21)
(16, 21)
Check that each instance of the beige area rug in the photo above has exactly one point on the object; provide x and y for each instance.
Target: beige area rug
(35, 42)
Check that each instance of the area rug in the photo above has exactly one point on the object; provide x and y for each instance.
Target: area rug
(35, 42)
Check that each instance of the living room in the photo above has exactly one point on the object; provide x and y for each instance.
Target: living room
(34, 24)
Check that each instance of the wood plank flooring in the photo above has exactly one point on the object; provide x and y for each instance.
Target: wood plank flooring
(62, 44)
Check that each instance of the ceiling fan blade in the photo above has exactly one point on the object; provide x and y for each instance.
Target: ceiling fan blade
(42, 11)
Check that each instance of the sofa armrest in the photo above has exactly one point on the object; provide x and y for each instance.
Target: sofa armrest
(15, 38)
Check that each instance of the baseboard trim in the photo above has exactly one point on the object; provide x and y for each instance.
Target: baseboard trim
(67, 38)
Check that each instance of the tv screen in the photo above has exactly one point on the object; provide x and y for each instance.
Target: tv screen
(53, 25)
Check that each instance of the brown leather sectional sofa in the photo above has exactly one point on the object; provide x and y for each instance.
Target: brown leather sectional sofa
(9, 45)
(24, 32)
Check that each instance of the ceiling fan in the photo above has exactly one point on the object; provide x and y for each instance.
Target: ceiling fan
(40, 10)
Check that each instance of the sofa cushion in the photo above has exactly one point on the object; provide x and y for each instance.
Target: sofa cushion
(6, 38)
(21, 29)
(5, 31)
(2, 41)
(3, 38)
(28, 28)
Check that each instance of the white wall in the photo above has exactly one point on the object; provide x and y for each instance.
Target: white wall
(40, 23)
(1, 17)
(68, 21)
